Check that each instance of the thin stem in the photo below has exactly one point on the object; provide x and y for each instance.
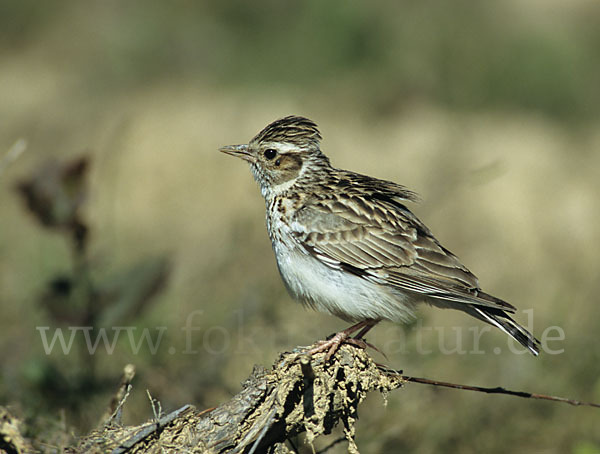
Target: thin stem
(497, 390)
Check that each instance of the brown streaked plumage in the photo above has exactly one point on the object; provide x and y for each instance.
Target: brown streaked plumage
(347, 244)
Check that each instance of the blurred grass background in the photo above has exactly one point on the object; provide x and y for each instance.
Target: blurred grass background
(490, 110)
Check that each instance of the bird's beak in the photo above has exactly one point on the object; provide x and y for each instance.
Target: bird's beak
(239, 151)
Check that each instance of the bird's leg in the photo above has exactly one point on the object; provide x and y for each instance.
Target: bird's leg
(362, 343)
(332, 344)
(366, 328)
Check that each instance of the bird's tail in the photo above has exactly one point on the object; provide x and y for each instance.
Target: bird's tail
(502, 320)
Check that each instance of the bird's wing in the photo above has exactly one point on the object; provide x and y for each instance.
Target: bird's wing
(379, 239)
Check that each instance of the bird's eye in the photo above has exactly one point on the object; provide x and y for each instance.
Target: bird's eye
(270, 153)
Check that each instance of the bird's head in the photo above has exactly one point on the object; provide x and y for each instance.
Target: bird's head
(282, 153)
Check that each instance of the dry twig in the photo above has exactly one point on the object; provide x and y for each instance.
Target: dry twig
(300, 394)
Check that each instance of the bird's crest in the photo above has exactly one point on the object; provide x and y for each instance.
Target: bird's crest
(295, 130)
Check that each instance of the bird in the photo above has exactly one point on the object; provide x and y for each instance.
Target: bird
(347, 244)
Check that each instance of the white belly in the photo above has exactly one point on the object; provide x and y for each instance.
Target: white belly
(337, 292)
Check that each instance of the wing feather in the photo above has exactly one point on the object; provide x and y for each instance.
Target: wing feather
(380, 239)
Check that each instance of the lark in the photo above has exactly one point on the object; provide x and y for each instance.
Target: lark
(346, 244)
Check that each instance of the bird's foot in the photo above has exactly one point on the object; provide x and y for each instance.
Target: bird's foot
(332, 343)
